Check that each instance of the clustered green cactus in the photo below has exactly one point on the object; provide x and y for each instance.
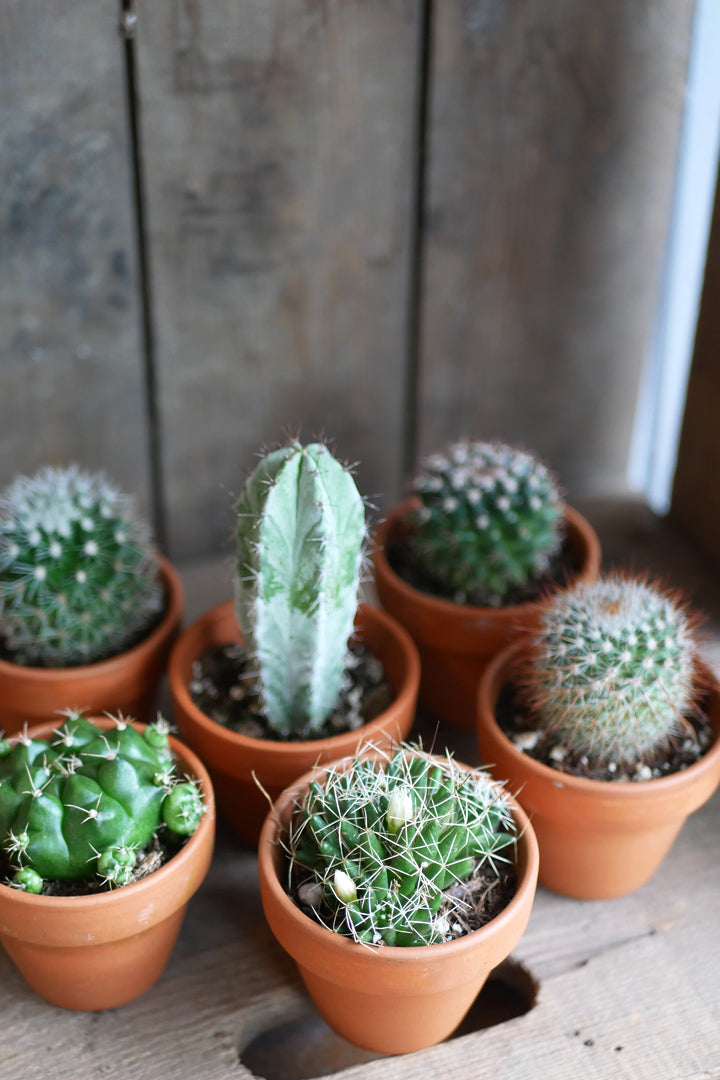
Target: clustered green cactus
(489, 522)
(83, 803)
(375, 845)
(300, 531)
(79, 580)
(611, 671)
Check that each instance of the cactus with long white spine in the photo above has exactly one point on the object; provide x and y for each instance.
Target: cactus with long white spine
(490, 520)
(81, 804)
(300, 532)
(375, 846)
(79, 580)
(611, 673)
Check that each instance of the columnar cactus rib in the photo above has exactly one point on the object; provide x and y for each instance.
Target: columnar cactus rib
(612, 670)
(489, 522)
(86, 801)
(300, 531)
(382, 843)
(78, 576)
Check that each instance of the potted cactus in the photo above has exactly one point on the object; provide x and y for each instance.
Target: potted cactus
(88, 609)
(300, 531)
(106, 831)
(606, 722)
(484, 532)
(371, 873)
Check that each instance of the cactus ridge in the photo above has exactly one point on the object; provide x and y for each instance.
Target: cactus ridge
(381, 843)
(300, 532)
(489, 521)
(79, 580)
(611, 672)
(84, 802)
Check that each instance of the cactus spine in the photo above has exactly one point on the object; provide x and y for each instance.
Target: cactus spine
(611, 671)
(375, 846)
(489, 520)
(83, 803)
(78, 577)
(300, 530)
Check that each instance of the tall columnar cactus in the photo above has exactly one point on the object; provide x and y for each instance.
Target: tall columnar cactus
(489, 522)
(83, 803)
(78, 577)
(300, 531)
(375, 846)
(611, 671)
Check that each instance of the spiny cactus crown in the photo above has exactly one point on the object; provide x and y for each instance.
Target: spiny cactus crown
(611, 671)
(489, 520)
(300, 531)
(382, 842)
(78, 577)
(83, 803)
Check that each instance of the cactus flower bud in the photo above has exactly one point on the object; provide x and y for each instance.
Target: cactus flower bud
(344, 887)
(400, 808)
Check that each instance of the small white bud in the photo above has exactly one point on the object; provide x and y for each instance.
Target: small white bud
(400, 808)
(344, 887)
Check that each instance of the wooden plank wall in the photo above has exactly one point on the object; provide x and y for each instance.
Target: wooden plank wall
(391, 221)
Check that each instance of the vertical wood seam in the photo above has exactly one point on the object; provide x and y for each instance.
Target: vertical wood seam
(128, 25)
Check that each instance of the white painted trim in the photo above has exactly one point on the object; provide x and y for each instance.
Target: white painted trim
(658, 420)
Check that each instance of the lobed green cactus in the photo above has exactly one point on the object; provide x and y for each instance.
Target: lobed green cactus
(489, 522)
(611, 670)
(382, 842)
(300, 531)
(83, 803)
(78, 577)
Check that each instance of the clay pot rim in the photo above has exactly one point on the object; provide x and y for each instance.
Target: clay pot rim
(278, 749)
(496, 677)
(399, 956)
(171, 618)
(395, 519)
(18, 898)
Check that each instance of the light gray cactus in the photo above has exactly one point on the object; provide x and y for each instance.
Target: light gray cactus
(300, 531)
(79, 580)
(489, 522)
(611, 672)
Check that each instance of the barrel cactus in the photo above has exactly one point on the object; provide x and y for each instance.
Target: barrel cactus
(374, 846)
(79, 580)
(611, 671)
(83, 803)
(300, 531)
(489, 521)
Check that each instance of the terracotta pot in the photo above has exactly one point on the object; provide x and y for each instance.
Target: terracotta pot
(235, 760)
(96, 952)
(457, 641)
(598, 839)
(126, 683)
(388, 999)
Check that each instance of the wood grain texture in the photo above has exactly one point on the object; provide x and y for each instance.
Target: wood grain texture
(71, 381)
(629, 988)
(696, 493)
(552, 144)
(278, 155)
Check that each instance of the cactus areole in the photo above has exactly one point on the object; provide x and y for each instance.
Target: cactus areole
(82, 804)
(300, 530)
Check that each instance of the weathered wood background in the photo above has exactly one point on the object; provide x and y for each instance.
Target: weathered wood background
(391, 221)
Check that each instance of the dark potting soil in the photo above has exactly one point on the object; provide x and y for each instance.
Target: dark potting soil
(160, 850)
(467, 906)
(516, 721)
(403, 560)
(225, 688)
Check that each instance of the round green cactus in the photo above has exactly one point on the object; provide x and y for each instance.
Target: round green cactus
(489, 520)
(611, 672)
(79, 580)
(84, 803)
(375, 846)
(300, 531)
